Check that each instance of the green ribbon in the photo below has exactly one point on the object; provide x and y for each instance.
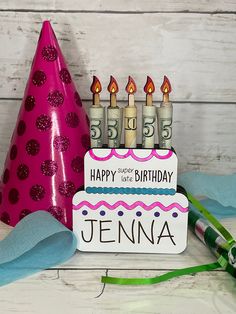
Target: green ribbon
(222, 261)
(167, 276)
(219, 227)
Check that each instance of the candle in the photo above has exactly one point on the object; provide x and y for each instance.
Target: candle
(114, 116)
(149, 116)
(96, 114)
(130, 116)
(165, 113)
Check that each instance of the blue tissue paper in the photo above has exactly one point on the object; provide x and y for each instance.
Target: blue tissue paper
(37, 242)
(219, 190)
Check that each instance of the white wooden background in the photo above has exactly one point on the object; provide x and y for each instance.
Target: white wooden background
(192, 42)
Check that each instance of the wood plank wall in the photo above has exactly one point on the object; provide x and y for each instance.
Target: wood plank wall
(192, 42)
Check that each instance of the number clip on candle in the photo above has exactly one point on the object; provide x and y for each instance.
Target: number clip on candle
(164, 113)
(114, 116)
(130, 116)
(96, 114)
(149, 116)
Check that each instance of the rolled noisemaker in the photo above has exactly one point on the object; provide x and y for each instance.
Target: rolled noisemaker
(213, 240)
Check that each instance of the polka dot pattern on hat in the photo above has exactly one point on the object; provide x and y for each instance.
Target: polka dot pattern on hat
(55, 98)
(29, 103)
(49, 53)
(43, 122)
(72, 120)
(67, 188)
(37, 192)
(45, 163)
(49, 168)
(57, 212)
(65, 76)
(61, 143)
(24, 213)
(39, 78)
(32, 147)
(22, 172)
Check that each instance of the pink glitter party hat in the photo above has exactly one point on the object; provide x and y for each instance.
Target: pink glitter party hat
(44, 165)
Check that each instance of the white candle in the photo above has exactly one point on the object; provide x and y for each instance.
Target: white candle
(165, 114)
(149, 116)
(96, 115)
(114, 116)
(130, 116)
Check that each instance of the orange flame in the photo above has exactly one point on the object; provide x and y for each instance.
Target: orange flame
(166, 87)
(131, 86)
(113, 86)
(96, 86)
(149, 87)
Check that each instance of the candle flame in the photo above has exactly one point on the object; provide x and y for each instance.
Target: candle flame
(96, 86)
(131, 86)
(113, 86)
(166, 87)
(149, 87)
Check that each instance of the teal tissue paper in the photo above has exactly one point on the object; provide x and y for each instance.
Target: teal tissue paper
(219, 190)
(38, 241)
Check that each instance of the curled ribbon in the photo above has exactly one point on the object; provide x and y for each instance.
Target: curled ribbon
(227, 259)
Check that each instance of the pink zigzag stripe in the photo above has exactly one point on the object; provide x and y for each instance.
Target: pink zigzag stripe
(131, 153)
(131, 206)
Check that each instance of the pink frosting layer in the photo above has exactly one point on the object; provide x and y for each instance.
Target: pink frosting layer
(131, 206)
(131, 153)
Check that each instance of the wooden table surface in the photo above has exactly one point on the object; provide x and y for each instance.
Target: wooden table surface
(75, 287)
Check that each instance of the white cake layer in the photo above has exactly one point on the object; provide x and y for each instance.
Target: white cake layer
(130, 223)
(131, 168)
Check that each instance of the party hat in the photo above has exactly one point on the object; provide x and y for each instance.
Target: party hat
(44, 165)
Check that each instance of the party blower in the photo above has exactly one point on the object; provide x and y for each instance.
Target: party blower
(44, 165)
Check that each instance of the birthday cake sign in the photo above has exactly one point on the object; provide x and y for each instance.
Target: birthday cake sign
(109, 217)
(131, 168)
(130, 202)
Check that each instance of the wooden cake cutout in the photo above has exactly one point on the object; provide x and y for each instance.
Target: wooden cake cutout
(142, 214)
